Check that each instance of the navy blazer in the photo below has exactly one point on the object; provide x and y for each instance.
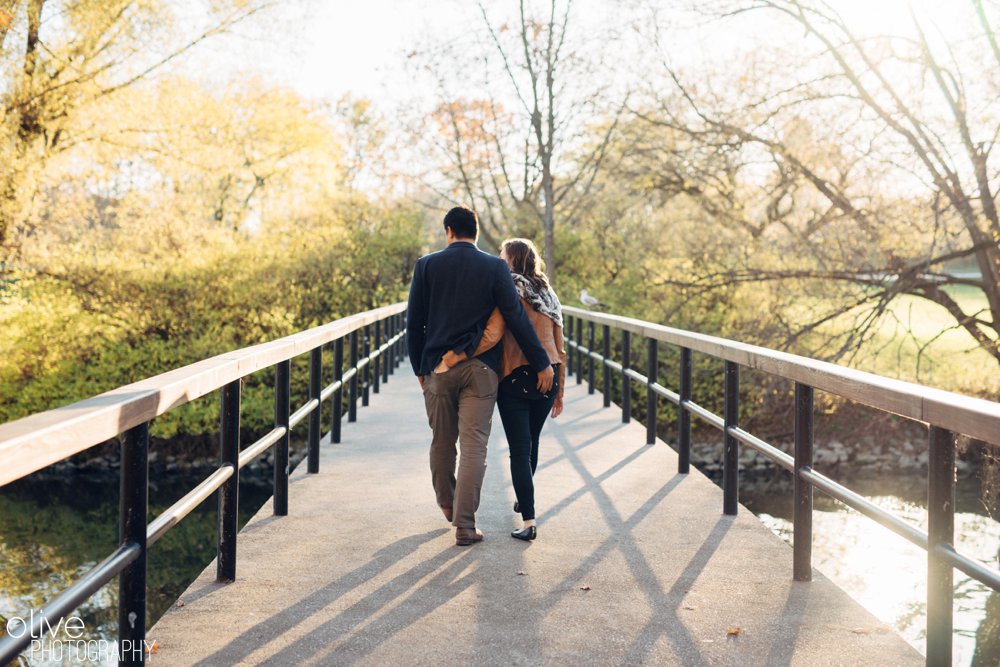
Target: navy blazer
(452, 295)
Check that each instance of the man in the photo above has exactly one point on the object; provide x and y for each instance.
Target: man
(452, 295)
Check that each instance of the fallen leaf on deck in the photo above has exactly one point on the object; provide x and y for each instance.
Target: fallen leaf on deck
(732, 632)
(181, 603)
(689, 607)
(522, 573)
(584, 588)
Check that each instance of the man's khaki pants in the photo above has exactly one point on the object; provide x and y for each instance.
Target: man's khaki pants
(460, 408)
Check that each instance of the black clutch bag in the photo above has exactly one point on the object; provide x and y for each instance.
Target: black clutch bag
(523, 382)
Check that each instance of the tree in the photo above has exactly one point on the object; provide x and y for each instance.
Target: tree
(57, 57)
(895, 182)
(520, 154)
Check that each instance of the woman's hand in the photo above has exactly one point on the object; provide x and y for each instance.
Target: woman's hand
(545, 379)
(557, 407)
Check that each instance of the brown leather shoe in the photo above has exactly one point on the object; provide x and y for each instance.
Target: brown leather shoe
(466, 536)
(447, 512)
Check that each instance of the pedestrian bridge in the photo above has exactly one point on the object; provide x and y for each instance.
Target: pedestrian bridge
(634, 564)
(639, 559)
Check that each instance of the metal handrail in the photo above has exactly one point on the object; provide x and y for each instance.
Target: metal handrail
(173, 515)
(945, 413)
(32, 443)
(970, 416)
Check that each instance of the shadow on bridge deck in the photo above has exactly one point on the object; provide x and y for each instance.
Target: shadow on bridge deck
(633, 564)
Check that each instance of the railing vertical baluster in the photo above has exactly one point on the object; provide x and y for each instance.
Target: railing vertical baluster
(568, 331)
(338, 394)
(683, 416)
(352, 386)
(376, 344)
(395, 346)
(388, 350)
(282, 401)
(731, 458)
(626, 381)
(579, 351)
(651, 373)
(315, 425)
(229, 454)
(367, 377)
(606, 345)
(590, 357)
(940, 532)
(402, 354)
(802, 491)
(133, 506)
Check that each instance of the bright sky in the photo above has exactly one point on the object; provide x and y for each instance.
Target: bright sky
(360, 46)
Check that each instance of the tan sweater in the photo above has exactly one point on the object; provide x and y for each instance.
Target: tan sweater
(550, 335)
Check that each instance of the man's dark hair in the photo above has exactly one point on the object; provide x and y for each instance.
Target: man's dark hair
(463, 222)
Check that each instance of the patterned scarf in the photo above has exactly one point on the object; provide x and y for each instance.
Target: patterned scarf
(545, 302)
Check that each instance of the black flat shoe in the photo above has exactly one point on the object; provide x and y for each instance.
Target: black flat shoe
(517, 507)
(526, 534)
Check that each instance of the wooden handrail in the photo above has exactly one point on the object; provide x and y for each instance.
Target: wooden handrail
(31, 443)
(974, 417)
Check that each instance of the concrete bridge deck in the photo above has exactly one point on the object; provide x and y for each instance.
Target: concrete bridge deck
(634, 564)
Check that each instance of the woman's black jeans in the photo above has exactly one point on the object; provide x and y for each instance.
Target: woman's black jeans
(523, 419)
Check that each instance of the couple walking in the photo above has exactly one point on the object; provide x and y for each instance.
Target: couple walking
(484, 331)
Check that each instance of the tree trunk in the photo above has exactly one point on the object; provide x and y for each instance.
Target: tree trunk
(8, 9)
(548, 226)
(27, 119)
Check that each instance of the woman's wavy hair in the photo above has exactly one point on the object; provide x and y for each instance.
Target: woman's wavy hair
(524, 259)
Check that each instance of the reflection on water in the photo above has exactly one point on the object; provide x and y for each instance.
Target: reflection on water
(54, 530)
(886, 573)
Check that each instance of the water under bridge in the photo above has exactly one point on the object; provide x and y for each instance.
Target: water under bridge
(639, 559)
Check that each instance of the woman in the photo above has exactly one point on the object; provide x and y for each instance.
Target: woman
(523, 409)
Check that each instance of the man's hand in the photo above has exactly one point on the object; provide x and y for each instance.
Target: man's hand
(545, 380)
(420, 379)
(557, 407)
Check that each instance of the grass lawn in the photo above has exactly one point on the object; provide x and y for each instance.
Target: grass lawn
(950, 359)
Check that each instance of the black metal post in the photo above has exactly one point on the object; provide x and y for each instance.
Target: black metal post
(590, 357)
(229, 492)
(282, 404)
(651, 372)
(731, 459)
(683, 416)
(315, 425)
(388, 351)
(367, 378)
(606, 344)
(940, 531)
(401, 352)
(133, 506)
(802, 491)
(626, 381)
(377, 371)
(338, 394)
(579, 352)
(569, 338)
(352, 385)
